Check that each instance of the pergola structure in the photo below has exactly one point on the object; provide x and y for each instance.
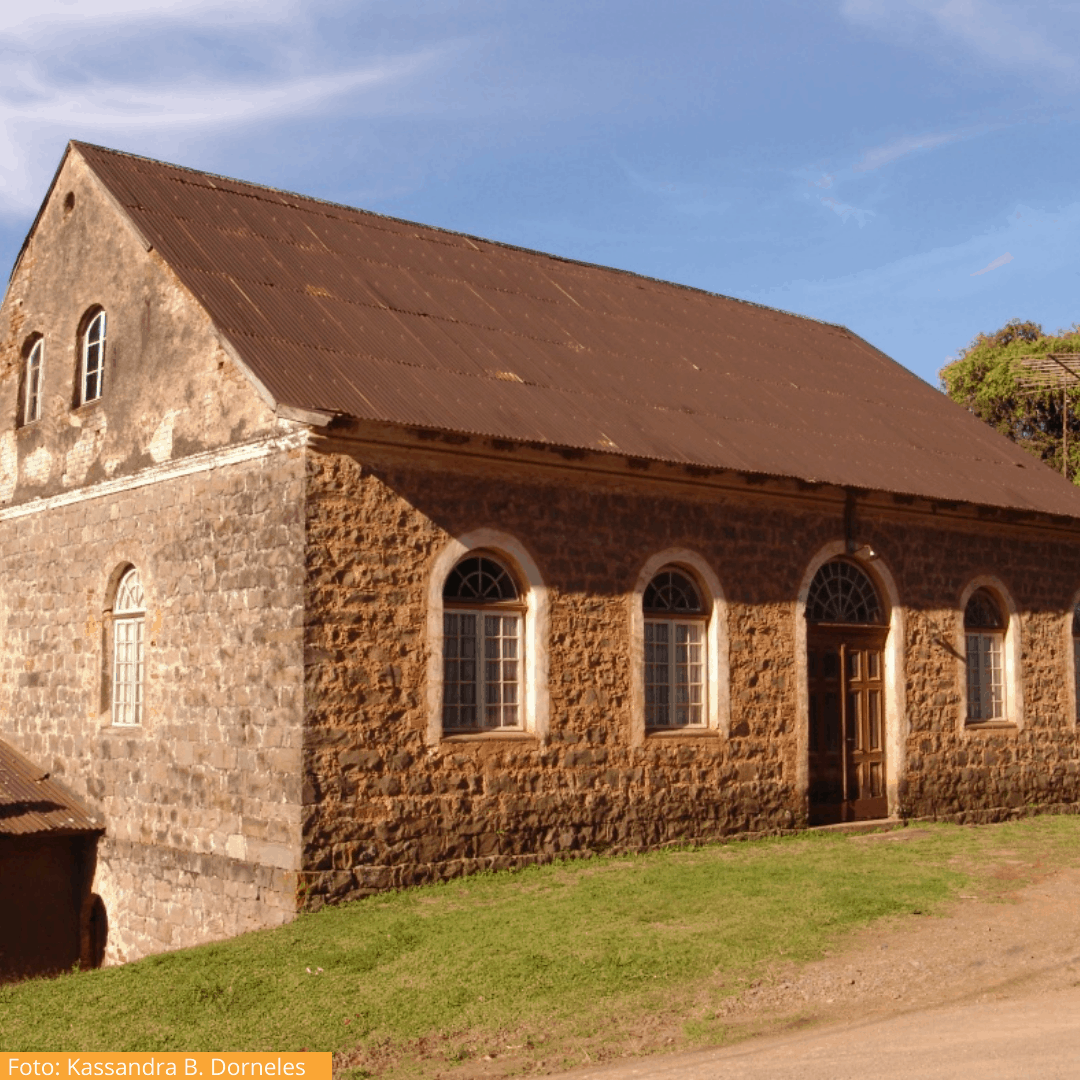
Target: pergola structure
(1055, 371)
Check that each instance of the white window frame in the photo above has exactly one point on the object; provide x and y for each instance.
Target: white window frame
(717, 691)
(35, 370)
(1007, 640)
(496, 630)
(676, 664)
(985, 675)
(128, 673)
(535, 622)
(92, 352)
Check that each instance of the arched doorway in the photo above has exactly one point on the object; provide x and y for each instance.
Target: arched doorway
(845, 664)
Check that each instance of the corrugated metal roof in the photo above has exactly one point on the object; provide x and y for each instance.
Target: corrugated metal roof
(32, 802)
(346, 311)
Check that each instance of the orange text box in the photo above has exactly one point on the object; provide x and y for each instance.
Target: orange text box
(193, 1066)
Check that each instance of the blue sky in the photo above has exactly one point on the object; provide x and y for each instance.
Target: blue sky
(905, 167)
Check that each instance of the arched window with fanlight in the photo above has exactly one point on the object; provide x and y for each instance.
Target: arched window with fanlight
(33, 374)
(675, 628)
(482, 646)
(92, 357)
(984, 633)
(128, 661)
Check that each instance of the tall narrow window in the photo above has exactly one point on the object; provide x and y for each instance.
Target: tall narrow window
(482, 636)
(674, 651)
(129, 617)
(984, 629)
(1076, 658)
(34, 370)
(93, 359)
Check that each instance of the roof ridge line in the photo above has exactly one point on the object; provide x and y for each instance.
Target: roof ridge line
(470, 237)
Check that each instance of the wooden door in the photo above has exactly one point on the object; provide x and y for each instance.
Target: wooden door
(846, 674)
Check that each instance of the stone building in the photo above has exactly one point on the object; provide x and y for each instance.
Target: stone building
(339, 553)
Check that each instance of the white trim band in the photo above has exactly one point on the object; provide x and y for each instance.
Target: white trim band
(205, 461)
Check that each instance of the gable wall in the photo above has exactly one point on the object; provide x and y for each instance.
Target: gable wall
(385, 806)
(170, 390)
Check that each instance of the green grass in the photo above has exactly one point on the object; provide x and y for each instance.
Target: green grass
(540, 957)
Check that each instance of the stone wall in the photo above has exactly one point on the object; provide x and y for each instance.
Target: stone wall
(201, 803)
(384, 806)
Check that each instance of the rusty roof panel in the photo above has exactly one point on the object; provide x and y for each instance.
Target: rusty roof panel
(338, 309)
(32, 802)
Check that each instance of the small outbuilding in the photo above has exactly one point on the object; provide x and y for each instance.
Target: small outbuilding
(50, 920)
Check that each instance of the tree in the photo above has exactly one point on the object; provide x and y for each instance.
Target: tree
(989, 380)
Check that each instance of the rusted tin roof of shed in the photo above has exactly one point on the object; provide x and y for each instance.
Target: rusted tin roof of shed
(31, 802)
(349, 312)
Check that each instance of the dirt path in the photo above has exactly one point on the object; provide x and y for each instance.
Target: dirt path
(997, 975)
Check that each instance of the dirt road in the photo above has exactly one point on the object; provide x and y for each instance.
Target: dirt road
(990, 989)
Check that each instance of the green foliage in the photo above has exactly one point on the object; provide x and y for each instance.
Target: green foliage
(986, 379)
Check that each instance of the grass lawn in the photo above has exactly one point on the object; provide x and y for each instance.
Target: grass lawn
(535, 961)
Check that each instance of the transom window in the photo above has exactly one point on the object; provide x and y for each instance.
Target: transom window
(841, 593)
(93, 359)
(482, 636)
(34, 371)
(675, 627)
(129, 617)
(984, 630)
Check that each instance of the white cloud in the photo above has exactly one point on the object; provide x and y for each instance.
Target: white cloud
(1001, 260)
(1016, 35)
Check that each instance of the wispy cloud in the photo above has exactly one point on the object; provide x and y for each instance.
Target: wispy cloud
(845, 211)
(48, 93)
(1001, 260)
(1003, 34)
(901, 147)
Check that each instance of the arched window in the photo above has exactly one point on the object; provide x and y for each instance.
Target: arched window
(34, 370)
(128, 619)
(841, 593)
(675, 625)
(482, 635)
(984, 631)
(92, 362)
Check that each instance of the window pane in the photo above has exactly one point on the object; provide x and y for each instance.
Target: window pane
(985, 683)
(480, 686)
(459, 670)
(127, 671)
(674, 673)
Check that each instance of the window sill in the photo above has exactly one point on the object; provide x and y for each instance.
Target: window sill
(121, 729)
(507, 735)
(992, 725)
(681, 733)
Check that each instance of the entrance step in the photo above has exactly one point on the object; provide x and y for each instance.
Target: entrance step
(856, 827)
